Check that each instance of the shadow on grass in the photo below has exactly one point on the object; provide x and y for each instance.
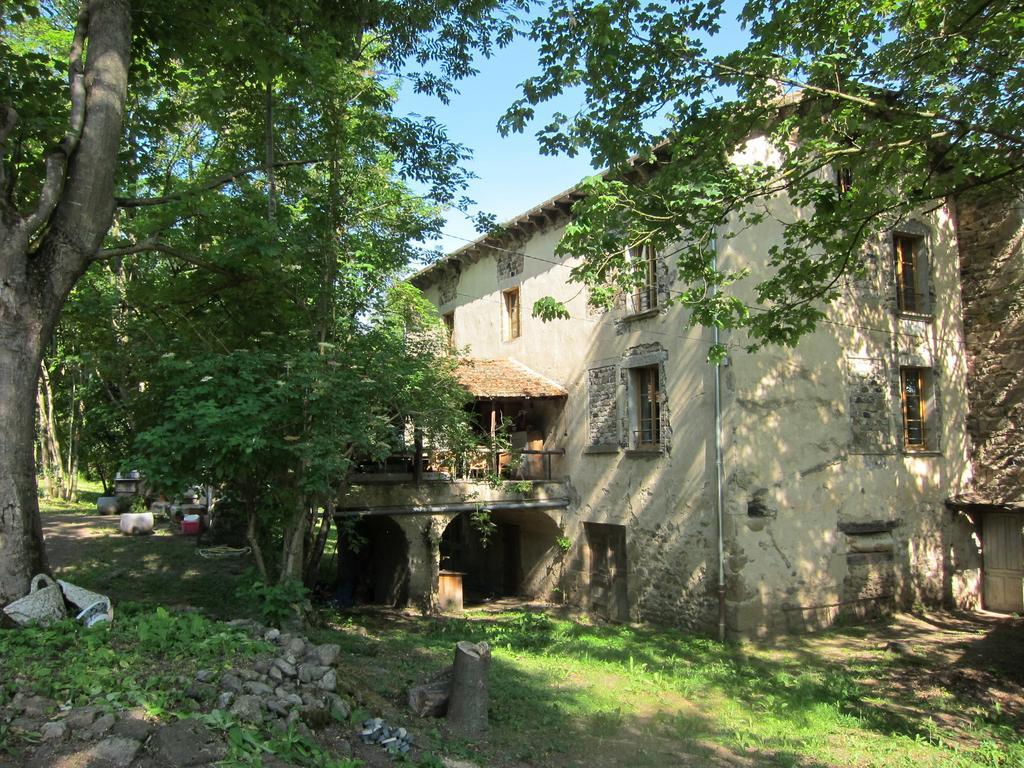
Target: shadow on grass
(159, 569)
(565, 695)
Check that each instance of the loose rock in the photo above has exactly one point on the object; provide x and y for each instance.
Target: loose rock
(57, 730)
(116, 751)
(248, 708)
(187, 743)
(82, 717)
(231, 682)
(329, 682)
(328, 654)
(257, 688)
(100, 727)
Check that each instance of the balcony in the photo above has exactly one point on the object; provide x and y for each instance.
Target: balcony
(441, 465)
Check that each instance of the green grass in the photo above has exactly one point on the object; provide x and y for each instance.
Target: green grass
(88, 492)
(164, 568)
(145, 658)
(565, 694)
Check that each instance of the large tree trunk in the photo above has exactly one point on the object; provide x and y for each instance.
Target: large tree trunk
(21, 538)
(73, 213)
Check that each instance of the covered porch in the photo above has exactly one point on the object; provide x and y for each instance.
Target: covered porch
(515, 413)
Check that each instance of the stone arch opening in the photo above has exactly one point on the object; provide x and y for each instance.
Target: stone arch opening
(373, 563)
(510, 555)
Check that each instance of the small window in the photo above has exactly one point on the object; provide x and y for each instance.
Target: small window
(512, 314)
(844, 180)
(918, 409)
(911, 274)
(645, 295)
(646, 407)
(449, 325)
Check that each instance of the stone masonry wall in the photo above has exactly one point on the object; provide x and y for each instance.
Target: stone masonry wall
(509, 265)
(991, 230)
(603, 423)
(868, 392)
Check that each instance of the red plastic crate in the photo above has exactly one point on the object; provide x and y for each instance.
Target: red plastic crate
(191, 528)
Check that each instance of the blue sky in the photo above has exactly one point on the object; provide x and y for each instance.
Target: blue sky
(512, 174)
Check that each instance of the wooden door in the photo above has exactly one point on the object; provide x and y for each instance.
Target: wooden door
(608, 582)
(1003, 550)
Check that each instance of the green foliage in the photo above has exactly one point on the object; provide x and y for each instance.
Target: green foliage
(139, 660)
(920, 100)
(480, 519)
(245, 317)
(278, 603)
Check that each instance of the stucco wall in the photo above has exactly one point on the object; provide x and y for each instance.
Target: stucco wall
(812, 440)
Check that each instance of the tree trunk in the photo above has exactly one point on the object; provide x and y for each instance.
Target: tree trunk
(53, 464)
(293, 555)
(316, 553)
(74, 210)
(467, 707)
(21, 535)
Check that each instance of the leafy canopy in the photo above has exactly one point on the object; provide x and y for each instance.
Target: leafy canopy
(919, 99)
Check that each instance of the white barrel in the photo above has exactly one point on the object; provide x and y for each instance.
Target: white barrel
(136, 522)
(107, 505)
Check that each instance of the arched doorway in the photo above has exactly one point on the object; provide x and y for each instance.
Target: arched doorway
(373, 562)
(500, 553)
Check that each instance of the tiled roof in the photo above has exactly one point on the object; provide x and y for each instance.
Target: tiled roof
(502, 377)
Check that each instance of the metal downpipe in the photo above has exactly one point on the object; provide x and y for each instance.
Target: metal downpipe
(719, 491)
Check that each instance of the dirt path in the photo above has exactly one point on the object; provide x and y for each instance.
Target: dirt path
(64, 534)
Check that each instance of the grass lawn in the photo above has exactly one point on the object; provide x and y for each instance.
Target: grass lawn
(88, 492)
(566, 692)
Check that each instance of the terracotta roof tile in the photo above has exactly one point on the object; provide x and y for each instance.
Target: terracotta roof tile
(494, 378)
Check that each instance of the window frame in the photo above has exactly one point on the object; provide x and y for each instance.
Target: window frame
(911, 274)
(644, 297)
(844, 180)
(448, 319)
(917, 411)
(646, 403)
(512, 320)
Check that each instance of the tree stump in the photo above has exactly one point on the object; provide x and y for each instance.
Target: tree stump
(467, 707)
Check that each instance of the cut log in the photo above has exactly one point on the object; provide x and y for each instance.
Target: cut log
(467, 707)
(430, 699)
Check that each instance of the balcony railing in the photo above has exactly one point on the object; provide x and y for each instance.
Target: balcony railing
(481, 463)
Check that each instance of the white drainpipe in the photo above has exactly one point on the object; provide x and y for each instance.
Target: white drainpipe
(719, 498)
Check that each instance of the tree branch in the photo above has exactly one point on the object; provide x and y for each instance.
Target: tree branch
(57, 158)
(149, 246)
(8, 119)
(219, 181)
(877, 105)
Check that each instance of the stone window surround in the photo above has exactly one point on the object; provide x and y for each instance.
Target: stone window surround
(644, 356)
(922, 234)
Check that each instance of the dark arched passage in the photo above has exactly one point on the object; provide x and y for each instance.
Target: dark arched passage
(373, 562)
(503, 555)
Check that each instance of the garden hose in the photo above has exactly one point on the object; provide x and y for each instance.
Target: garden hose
(216, 552)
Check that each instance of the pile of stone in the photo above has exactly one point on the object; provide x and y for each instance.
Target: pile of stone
(295, 686)
(394, 740)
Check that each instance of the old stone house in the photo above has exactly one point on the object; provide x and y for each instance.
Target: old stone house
(775, 493)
